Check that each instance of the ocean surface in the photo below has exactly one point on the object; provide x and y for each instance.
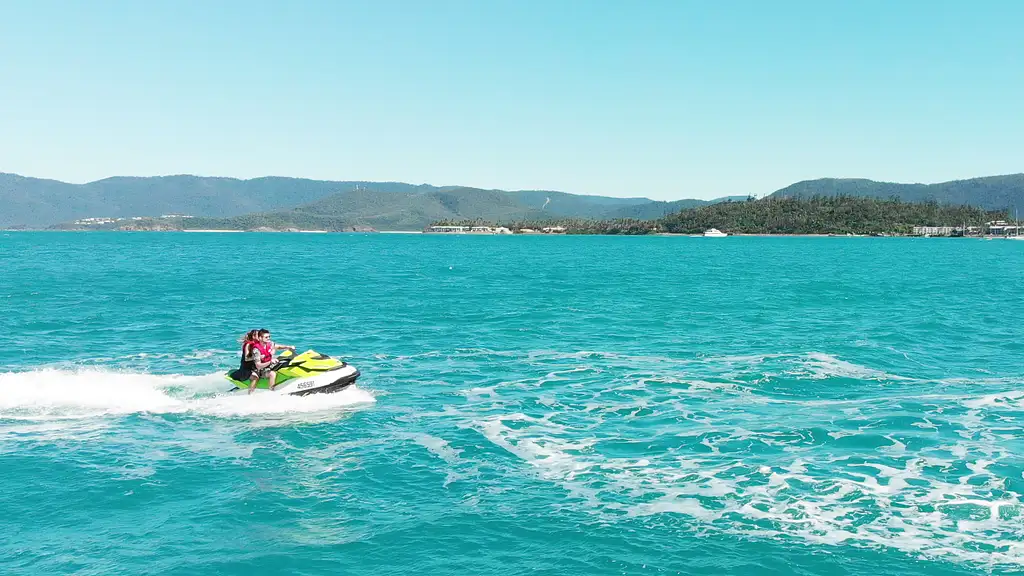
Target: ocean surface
(542, 405)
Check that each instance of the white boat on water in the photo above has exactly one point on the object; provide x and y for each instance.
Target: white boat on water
(714, 233)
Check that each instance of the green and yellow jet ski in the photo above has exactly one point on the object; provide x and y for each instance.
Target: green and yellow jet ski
(302, 374)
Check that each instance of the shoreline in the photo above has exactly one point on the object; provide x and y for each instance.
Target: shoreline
(418, 232)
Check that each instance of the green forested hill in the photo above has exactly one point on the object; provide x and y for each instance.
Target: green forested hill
(992, 192)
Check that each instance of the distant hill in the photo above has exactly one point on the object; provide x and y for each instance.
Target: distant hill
(405, 211)
(990, 193)
(390, 210)
(384, 210)
(657, 209)
(275, 201)
(653, 210)
(35, 202)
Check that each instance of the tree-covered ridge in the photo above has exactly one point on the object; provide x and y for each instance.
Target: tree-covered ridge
(824, 215)
(990, 192)
(814, 215)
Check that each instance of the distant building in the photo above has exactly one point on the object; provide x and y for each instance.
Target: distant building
(469, 230)
(96, 221)
(937, 230)
(1002, 228)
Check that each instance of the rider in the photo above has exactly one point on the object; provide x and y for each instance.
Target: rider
(258, 355)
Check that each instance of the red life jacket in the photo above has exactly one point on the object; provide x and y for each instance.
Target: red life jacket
(265, 348)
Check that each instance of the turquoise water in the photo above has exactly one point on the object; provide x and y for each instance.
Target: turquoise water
(554, 405)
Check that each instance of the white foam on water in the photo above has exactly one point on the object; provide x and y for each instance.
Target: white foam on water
(88, 392)
(548, 452)
(55, 394)
(822, 366)
(547, 400)
(689, 386)
(670, 504)
(437, 446)
(481, 392)
(440, 448)
(240, 404)
(710, 445)
(1012, 399)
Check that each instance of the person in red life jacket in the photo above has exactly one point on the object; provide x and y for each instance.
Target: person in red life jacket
(257, 357)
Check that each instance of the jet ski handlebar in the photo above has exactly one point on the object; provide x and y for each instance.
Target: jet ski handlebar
(280, 363)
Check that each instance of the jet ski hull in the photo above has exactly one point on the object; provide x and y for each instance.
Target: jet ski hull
(307, 388)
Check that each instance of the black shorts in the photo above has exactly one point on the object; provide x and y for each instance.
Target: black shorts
(260, 373)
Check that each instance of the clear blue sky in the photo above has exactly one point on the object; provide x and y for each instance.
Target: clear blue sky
(666, 99)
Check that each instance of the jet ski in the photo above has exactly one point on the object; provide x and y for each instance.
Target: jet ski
(303, 374)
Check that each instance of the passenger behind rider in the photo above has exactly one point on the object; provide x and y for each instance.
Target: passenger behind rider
(258, 355)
